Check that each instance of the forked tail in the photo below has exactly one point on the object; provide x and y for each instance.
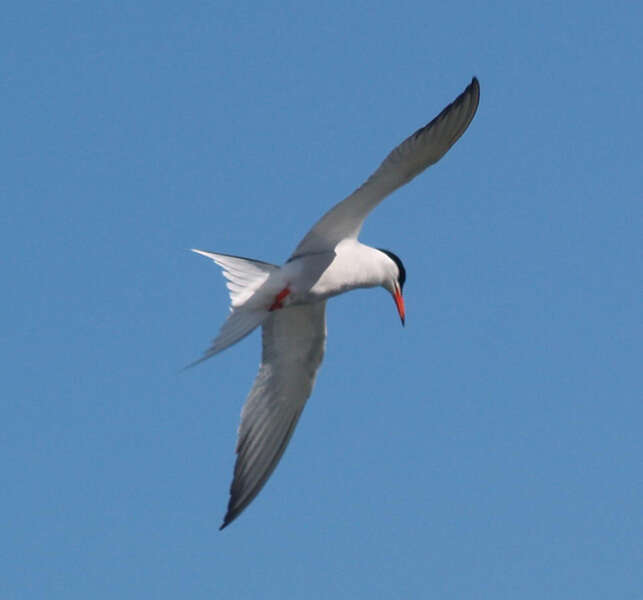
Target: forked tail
(245, 277)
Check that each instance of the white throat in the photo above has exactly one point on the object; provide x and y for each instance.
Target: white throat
(353, 265)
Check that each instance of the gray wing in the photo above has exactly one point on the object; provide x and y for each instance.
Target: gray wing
(422, 149)
(293, 347)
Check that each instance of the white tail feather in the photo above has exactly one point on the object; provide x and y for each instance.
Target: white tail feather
(245, 277)
(238, 325)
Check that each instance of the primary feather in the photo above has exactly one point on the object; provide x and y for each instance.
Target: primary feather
(417, 152)
(293, 347)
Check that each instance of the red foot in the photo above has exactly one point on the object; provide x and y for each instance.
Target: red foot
(279, 298)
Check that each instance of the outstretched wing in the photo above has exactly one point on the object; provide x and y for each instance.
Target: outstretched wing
(422, 149)
(294, 339)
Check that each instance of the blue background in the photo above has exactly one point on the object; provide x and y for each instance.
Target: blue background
(490, 449)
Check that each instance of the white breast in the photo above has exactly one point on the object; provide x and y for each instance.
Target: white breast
(352, 265)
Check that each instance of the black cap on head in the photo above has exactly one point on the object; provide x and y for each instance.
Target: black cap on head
(396, 259)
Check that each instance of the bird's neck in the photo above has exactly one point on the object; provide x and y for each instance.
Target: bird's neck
(360, 265)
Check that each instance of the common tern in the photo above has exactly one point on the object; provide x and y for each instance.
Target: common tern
(289, 301)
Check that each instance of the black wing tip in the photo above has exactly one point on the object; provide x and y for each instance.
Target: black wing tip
(232, 514)
(235, 508)
(473, 89)
(470, 93)
(229, 517)
(474, 86)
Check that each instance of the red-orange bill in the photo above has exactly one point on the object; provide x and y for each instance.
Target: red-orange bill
(399, 302)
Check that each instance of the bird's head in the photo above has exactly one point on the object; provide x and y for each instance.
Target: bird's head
(395, 283)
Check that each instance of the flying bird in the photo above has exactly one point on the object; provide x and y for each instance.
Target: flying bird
(289, 301)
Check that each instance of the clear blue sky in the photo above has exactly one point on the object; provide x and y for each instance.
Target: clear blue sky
(490, 449)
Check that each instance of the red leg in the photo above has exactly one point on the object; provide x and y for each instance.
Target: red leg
(279, 299)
